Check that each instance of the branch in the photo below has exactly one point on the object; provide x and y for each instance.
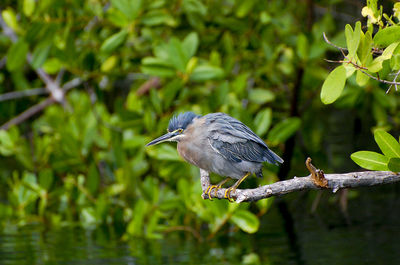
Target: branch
(24, 93)
(40, 106)
(332, 181)
(361, 68)
(54, 89)
(28, 113)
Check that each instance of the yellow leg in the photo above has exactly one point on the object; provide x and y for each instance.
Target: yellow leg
(233, 188)
(216, 187)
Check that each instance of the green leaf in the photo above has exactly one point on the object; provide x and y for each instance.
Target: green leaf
(6, 143)
(370, 160)
(93, 178)
(375, 66)
(190, 44)
(176, 54)
(16, 55)
(109, 64)
(261, 96)
(246, 221)
(10, 18)
(364, 49)
(361, 78)
(158, 17)
(29, 7)
(244, 8)
(387, 143)
(353, 38)
(52, 65)
(388, 52)
(394, 164)
(206, 72)
(112, 42)
(164, 152)
(302, 47)
(263, 121)
(333, 85)
(283, 130)
(40, 54)
(157, 67)
(46, 178)
(130, 8)
(387, 36)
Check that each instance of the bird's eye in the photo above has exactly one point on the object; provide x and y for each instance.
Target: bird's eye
(180, 130)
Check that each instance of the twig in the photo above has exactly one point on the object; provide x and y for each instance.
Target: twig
(394, 80)
(359, 67)
(28, 113)
(56, 92)
(332, 44)
(154, 82)
(23, 93)
(52, 86)
(39, 107)
(334, 182)
(72, 83)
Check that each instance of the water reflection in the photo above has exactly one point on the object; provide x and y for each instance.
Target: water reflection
(370, 236)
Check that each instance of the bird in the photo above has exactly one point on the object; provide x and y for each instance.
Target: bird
(221, 144)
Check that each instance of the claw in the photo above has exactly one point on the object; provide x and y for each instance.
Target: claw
(227, 194)
(216, 187)
(208, 191)
(228, 191)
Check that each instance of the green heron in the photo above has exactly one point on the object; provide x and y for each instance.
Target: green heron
(221, 144)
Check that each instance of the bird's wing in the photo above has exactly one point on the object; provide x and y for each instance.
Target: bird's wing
(236, 142)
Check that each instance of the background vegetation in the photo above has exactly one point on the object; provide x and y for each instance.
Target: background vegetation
(126, 67)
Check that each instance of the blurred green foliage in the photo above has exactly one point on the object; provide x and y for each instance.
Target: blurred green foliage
(85, 162)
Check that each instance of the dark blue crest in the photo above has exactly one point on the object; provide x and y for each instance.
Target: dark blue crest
(181, 121)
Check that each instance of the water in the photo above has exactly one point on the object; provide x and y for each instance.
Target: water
(367, 234)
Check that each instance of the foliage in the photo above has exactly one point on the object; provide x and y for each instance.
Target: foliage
(85, 162)
(369, 54)
(390, 158)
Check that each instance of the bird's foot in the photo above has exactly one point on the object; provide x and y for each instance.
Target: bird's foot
(227, 194)
(216, 187)
(233, 188)
(209, 189)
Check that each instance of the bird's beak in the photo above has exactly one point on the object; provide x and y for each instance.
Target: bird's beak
(163, 138)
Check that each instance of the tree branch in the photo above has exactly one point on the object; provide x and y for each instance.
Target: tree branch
(55, 90)
(24, 93)
(28, 113)
(332, 181)
(361, 68)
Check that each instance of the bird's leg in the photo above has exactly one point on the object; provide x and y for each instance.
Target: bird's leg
(233, 188)
(216, 187)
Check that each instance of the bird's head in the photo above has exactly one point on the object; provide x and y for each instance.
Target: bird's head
(176, 128)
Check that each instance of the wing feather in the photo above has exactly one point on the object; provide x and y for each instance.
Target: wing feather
(237, 142)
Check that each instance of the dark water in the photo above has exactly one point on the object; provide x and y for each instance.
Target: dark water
(368, 233)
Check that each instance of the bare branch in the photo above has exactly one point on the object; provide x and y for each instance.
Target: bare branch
(23, 93)
(154, 82)
(52, 86)
(330, 43)
(333, 182)
(72, 83)
(56, 92)
(394, 80)
(359, 67)
(28, 113)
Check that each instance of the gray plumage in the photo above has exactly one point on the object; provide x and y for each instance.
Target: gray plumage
(218, 143)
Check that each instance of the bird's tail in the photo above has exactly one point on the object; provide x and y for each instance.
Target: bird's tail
(273, 158)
